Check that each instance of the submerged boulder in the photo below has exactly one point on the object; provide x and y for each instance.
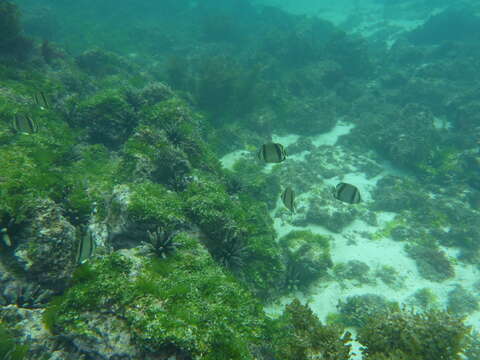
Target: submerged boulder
(46, 246)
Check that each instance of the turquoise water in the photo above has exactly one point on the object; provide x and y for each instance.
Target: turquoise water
(264, 179)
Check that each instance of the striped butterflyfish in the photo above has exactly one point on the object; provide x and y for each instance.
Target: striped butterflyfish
(288, 199)
(347, 193)
(86, 248)
(41, 100)
(24, 124)
(272, 153)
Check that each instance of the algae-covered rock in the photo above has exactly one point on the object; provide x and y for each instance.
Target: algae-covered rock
(183, 306)
(108, 118)
(325, 210)
(136, 209)
(307, 258)
(47, 244)
(299, 335)
(424, 335)
(432, 263)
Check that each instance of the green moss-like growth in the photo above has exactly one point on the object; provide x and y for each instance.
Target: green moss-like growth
(33, 165)
(354, 270)
(299, 335)
(307, 257)
(420, 336)
(254, 182)
(99, 62)
(10, 348)
(356, 310)
(208, 205)
(183, 302)
(432, 263)
(152, 203)
(390, 276)
(108, 118)
(425, 299)
(461, 302)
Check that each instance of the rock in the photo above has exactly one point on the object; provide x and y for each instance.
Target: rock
(47, 246)
(111, 339)
(330, 213)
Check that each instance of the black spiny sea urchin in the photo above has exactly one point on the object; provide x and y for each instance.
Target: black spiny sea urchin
(161, 242)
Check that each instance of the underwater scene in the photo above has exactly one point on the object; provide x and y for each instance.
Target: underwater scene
(239, 180)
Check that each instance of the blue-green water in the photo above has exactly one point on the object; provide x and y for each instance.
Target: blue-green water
(235, 179)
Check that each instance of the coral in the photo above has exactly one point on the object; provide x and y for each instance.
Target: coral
(461, 302)
(299, 335)
(357, 309)
(307, 258)
(432, 263)
(423, 336)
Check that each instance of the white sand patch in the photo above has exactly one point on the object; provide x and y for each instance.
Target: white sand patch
(229, 159)
(332, 136)
(285, 140)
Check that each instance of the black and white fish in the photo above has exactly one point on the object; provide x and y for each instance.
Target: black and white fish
(41, 100)
(288, 199)
(272, 153)
(86, 248)
(347, 193)
(24, 124)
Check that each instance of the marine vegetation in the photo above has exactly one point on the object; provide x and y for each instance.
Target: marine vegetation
(432, 263)
(261, 186)
(208, 205)
(461, 302)
(183, 304)
(425, 299)
(307, 258)
(354, 270)
(417, 335)
(357, 309)
(107, 117)
(299, 335)
(10, 349)
(13, 43)
(390, 276)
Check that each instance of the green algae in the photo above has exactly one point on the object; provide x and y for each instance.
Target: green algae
(154, 203)
(9, 346)
(299, 335)
(184, 301)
